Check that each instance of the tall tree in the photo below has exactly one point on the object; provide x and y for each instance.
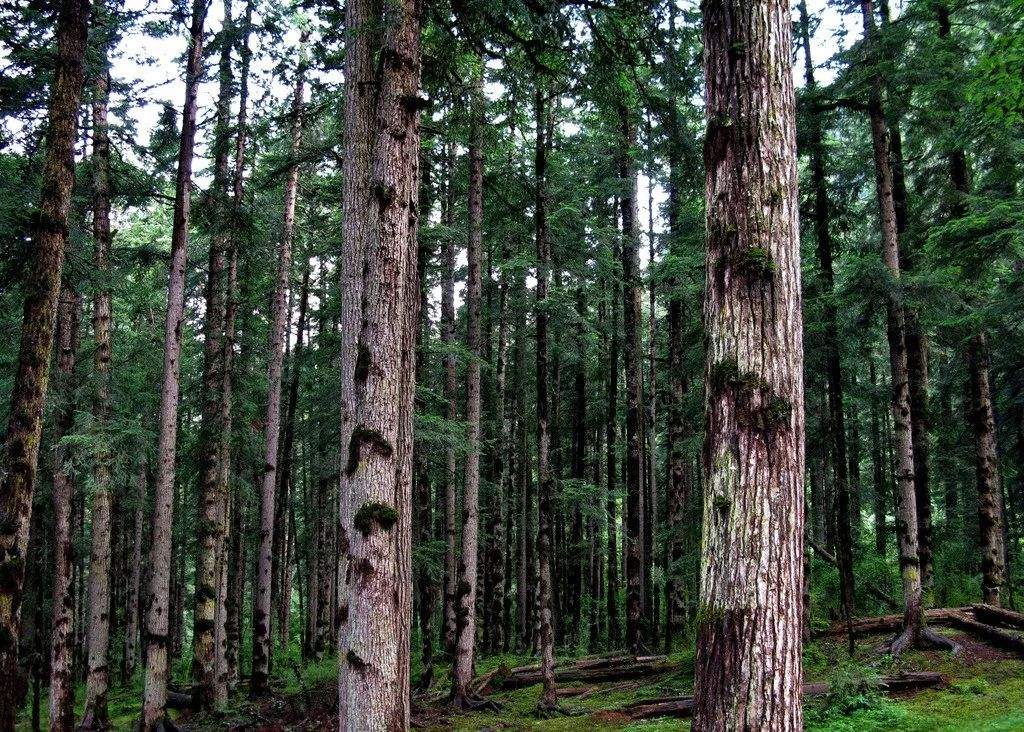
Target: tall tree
(548, 701)
(209, 690)
(450, 379)
(20, 457)
(261, 637)
(907, 525)
(465, 597)
(98, 681)
(834, 370)
(748, 673)
(990, 491)
(633, 365)
(380, 206)
(62, 690)
(154, 707)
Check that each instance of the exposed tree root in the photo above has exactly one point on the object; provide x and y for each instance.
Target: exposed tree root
(550, 710)
(475, 703)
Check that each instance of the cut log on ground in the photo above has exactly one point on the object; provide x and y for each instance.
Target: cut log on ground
(681, 707)
(999, 616)
(622, 671)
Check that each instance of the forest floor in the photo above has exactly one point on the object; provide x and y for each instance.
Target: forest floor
(983, 689)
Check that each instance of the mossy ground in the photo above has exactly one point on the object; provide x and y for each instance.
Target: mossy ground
(985, 691)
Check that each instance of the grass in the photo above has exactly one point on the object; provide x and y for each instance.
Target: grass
(986, 696)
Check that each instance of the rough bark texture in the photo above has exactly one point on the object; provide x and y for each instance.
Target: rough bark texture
(990, 513)
(465, 595)
(62, 689)
(545, 481)
(98, 681)
(20, 456)
(749, 627)
(878, 481)
(158, 594)
(211, 524)
(895, 330)
(261, 640)
(380, 202)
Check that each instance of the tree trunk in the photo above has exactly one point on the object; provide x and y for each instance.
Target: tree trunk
(132, 610)
(261, 644)
(525, 543)
(380, 205)
(448, 345)
(990, 513)
(62, 688)
(878, 481)
(98, 682)
(632, 363)
(576, 550)
(503, 470)
(157, 602)
(545, 482)
(20, 455)
(211, 524)
(833, 359)
(749, 644)
(611, 457)
(465, 598)
(904, 452)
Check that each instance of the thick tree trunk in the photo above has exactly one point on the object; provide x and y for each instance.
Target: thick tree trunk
(261, 643)
(380, 204)
(545, 482)
(158, 594)
(62, 686)
(465, 597)
(632, 363)
(907, 524)
(749, 643)
(990, 504)
(20, 455)
(211, 524)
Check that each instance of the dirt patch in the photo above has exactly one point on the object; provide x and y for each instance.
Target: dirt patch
(610, 717)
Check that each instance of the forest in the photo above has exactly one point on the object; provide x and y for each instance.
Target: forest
(512, 364)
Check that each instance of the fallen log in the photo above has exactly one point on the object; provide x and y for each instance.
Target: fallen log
(996, 636)
(892, 623)
(999, 615)
(565, 674)
(872, 589)
(681, 707)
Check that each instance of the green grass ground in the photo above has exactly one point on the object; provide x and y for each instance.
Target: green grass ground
(985, 693)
